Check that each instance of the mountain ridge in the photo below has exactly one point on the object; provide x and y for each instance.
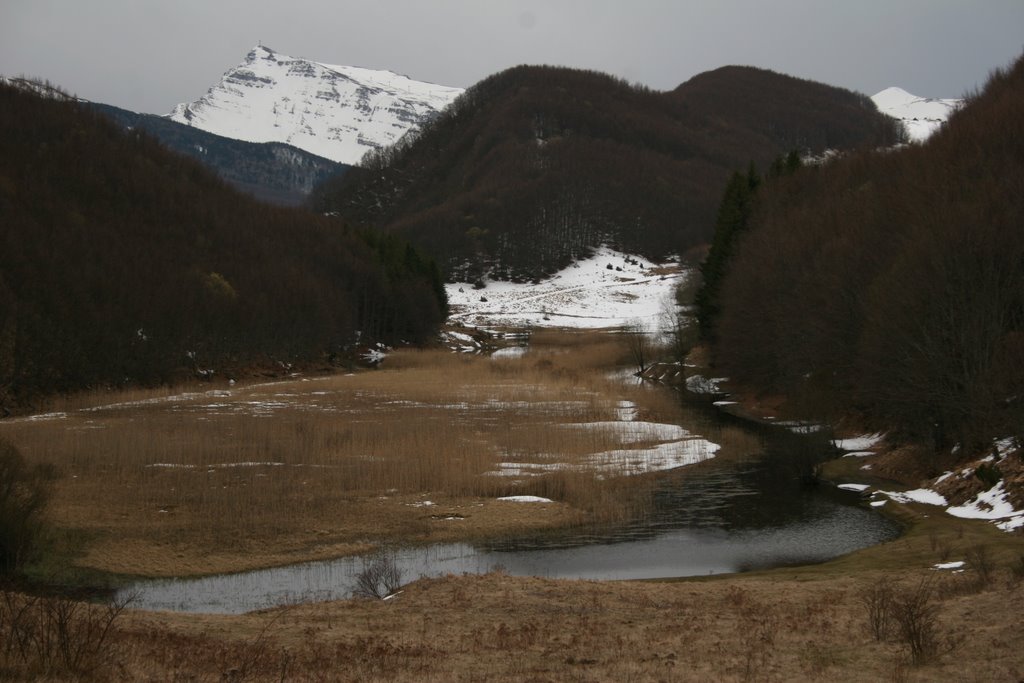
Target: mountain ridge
(336, 112)
(534, 167)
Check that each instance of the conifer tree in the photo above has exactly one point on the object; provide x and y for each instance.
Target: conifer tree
(733, 217)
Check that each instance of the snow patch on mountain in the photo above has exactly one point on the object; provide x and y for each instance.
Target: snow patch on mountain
(922, 116)
(337, 112)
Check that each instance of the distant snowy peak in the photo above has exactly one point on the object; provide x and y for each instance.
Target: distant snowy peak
(922, 116)
(337, 112)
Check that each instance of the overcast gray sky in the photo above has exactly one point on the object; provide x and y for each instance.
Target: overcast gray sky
(148, 55)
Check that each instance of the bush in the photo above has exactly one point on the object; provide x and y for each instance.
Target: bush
(24, 492)
(916, 617)
(380, 577)
(877, 600)
(980, 561)
(49, 635)
(989, 474)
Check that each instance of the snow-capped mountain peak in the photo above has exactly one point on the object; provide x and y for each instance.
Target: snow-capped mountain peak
(337, 112)
(922, 116)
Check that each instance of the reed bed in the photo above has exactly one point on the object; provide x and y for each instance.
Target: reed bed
(348, 458)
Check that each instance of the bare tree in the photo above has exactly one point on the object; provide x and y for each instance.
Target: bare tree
(639, 344)
(380, 576)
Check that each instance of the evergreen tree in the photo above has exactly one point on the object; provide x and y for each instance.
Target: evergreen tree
(733, 217)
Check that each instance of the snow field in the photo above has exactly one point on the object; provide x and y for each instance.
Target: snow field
(922, 116)
(586, 295)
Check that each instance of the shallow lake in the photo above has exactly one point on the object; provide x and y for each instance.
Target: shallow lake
(734, 517)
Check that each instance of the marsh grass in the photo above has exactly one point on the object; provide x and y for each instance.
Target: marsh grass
(342, 458)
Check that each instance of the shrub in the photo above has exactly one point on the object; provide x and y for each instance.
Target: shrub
(980, 561)
(55, 634)
(24, 492)
(878, 601)
(916, 618)
(380, 576)
(989, 474)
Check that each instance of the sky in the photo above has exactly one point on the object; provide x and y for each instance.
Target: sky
(148, 55)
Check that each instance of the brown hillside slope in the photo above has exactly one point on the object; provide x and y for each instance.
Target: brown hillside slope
(533, 166)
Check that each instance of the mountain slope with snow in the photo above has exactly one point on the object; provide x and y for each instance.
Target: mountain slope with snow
(337, 112)
(922, 116)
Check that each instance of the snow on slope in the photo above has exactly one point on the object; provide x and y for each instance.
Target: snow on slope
(587, 294)
(337, 112)
(922, 116)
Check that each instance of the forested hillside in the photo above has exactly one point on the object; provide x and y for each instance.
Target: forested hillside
(532, 167)
(892, 282)
(122, 262)
(271, 171)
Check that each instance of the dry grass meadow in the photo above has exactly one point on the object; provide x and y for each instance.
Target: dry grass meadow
(226, 478)
(230, 478)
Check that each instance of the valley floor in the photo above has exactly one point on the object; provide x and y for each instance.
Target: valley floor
(151, 489)
(806, 624)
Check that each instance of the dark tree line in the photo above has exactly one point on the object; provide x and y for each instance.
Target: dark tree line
(734, 214)
(121, 262)
(893, 282)
(532, 167)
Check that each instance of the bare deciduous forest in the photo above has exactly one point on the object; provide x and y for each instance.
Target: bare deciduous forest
(533, 166)
(123, 263)
(891, 282)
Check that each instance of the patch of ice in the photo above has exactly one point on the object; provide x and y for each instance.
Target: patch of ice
(222, 465)
(46, 416)
(854, 487)
(664, 456)
(698, 384)
(858, 443)
(525, 499)
(510, 352)
(959, 564)
(858, 454)
(627, 411)
(798, 427)
(636, 432)
(525, 469)
(925, 496)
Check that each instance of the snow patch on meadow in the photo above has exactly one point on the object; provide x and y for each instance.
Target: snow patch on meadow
(609, 289)
(993, 504)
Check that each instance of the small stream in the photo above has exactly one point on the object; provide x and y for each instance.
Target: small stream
(735, 517)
